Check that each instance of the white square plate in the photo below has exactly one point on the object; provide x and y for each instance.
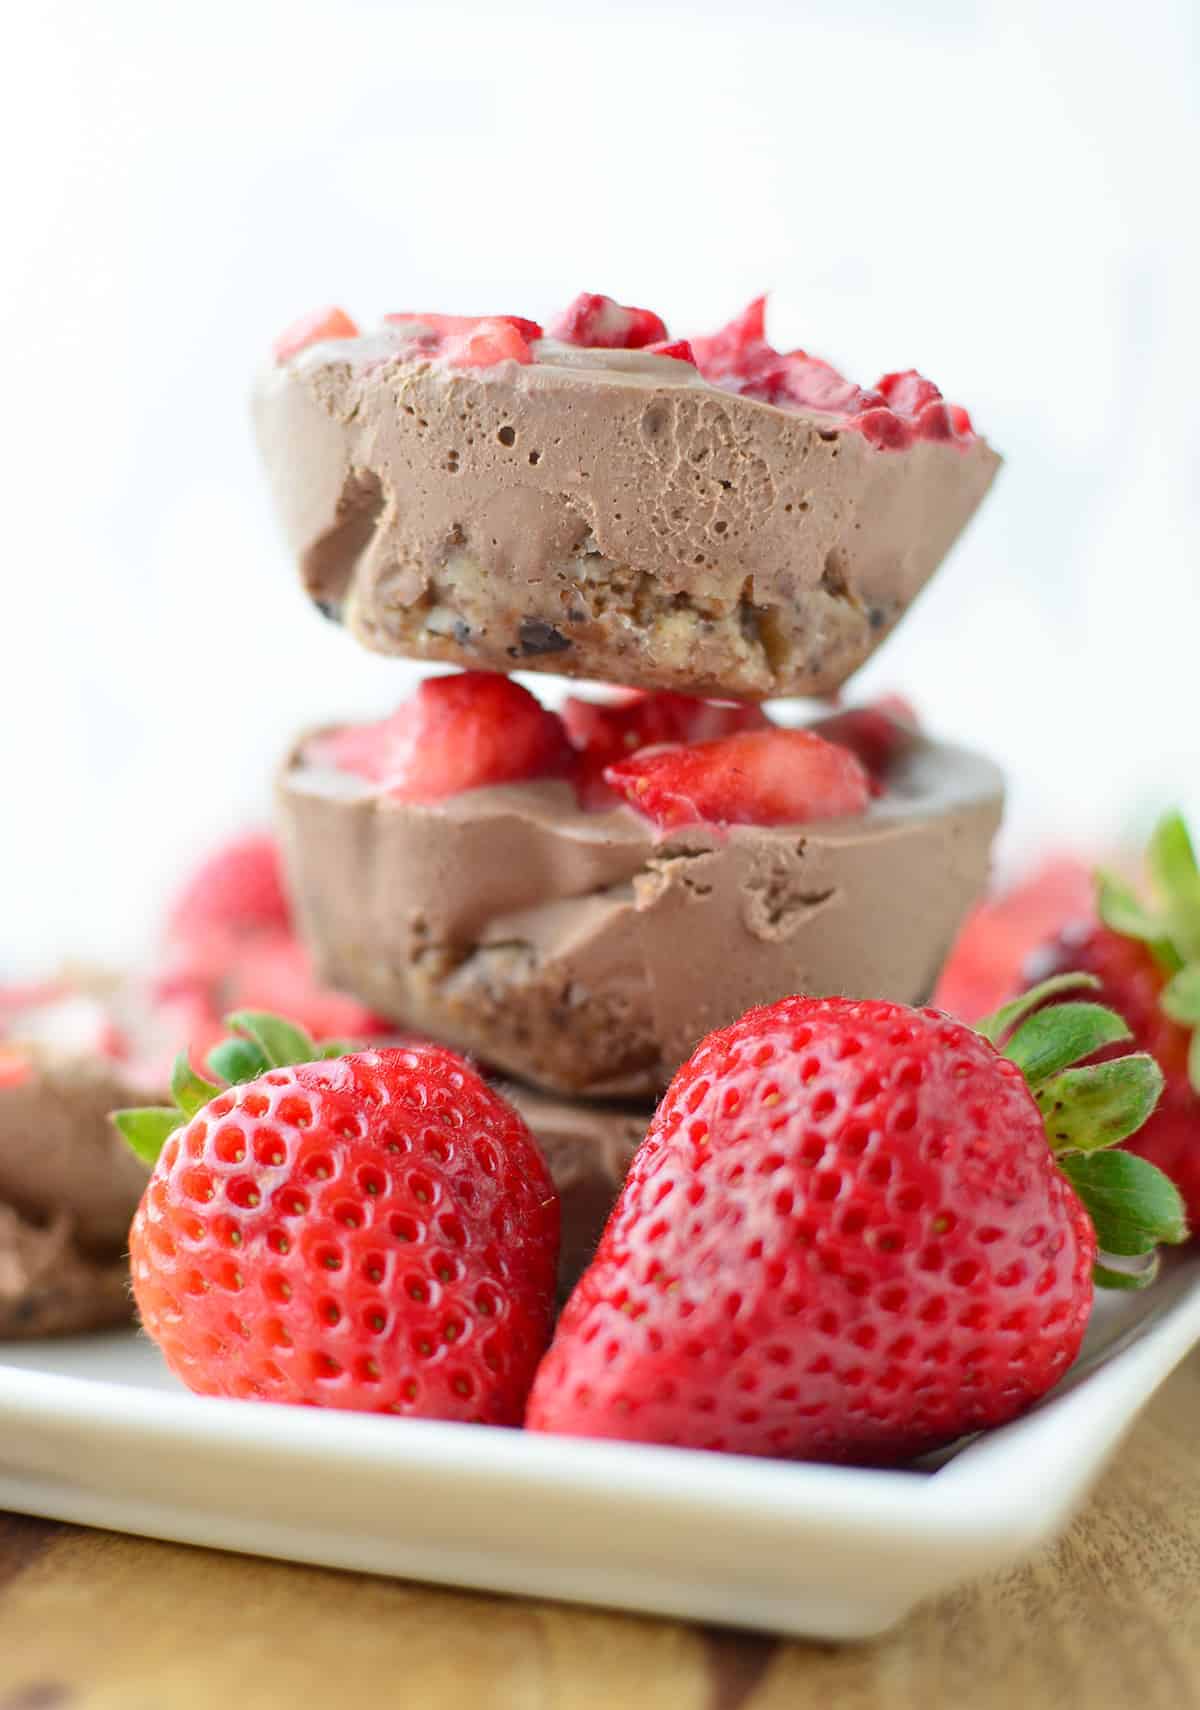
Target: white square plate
(94, 1430)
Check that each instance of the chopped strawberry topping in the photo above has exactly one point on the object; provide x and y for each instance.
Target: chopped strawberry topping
(456, 733)
(597, 322)
(487, 343)
(313, 328)
(453, 326)
(756, 777)
(903, 407)
(606, 732)
(878, 734)
(679, 349)
(908, 392)
(470, 341)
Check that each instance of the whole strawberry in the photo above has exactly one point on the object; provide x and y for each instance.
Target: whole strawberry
(237, 890)
(1146, 959)
(376, 1230)
(846, 1237)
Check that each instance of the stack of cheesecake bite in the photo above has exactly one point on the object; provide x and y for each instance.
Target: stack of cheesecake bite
(576, 897)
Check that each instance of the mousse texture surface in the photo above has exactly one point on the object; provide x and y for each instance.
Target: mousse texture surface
(586, 954)
(601, 513)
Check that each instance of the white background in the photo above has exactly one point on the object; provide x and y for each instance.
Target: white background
(1003, 194)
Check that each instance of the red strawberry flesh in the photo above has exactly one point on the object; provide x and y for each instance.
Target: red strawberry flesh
(457, 733)
(755, 777)
(595, 321)
(313, 328)
(901, 408)
(608, 731)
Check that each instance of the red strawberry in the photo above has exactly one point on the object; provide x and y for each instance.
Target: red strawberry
(454, 326)
(1147, 962)
(902, 407)
(239, 888)
(486, 343)
(313, 328)
(878, 733)
(884, 428)
(608, 731)
(678, 349)
(908, 392)
(733, 350)
(845, 1236)
(456, 733)
(757, 777)
(988, 961)
(595, 321)
(276, 974)
(376, 1232)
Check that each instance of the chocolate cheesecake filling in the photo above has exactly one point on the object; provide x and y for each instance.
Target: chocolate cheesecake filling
(601, 513)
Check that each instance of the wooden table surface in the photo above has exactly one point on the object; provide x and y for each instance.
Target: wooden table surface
(1108, 1617)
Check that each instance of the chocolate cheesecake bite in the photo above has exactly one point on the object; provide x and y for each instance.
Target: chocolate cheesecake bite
(68, 1185)
(712, 516)
(584, 946)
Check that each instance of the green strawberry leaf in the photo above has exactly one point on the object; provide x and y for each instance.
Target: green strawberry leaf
(1176, 876)
(280, 1042)
(1052, 1039)
(1122, 910)
(995, 1027)
(1181, 996)
(237, 1060)
(1141, 1276)
(1132, 1205)
(270, 1042)
(145, 1131)
(190, 1092)
(1099, 1105)
(338, 1047)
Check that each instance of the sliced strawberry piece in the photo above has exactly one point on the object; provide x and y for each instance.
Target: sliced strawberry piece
(878, 734)
(313, 328)
(606, 732)
(884, 428)
(456, 733)
(907, 392)
(817, 385)
(678, 349)
(596, 322)
(757, 777)
(486, 344)
(455, 326)
(726, 352)
(902, 407)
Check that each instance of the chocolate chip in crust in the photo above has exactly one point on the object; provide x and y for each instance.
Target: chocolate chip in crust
(538, 637)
